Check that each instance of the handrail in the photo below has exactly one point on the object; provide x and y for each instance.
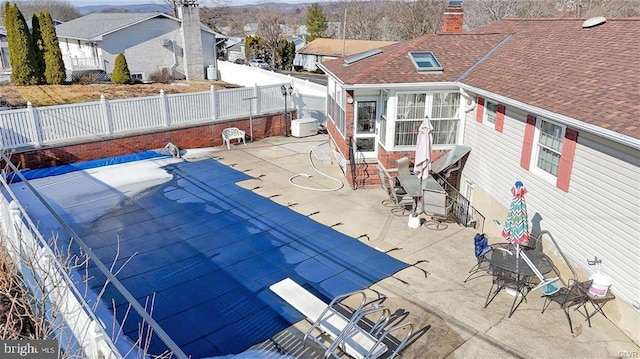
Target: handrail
(171, 345)
(564, 258)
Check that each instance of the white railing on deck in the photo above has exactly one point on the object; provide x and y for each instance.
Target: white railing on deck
(82, 63)
(51, 125)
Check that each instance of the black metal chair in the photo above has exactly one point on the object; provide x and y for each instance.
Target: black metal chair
(571, 296)
(482, 267)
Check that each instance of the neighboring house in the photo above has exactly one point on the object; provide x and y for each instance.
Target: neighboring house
(150, 42)
(548, 102)
(251, 29)
(235, 50)
(5, 64)
(299, 42)
(286, 30)
(320, 50)
(302, 32)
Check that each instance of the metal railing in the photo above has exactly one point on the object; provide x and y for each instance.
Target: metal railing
(83, 323)
(461, 208)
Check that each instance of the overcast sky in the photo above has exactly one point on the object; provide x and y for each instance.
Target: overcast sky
(203, 2)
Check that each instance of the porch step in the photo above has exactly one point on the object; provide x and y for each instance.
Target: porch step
(320, 154)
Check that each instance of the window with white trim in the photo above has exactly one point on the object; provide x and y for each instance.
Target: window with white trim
(443, 109)
(335, 105)
(549, 137)
(445, 117)
(491, 109)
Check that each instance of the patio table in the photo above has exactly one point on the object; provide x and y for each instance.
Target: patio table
(511, 271)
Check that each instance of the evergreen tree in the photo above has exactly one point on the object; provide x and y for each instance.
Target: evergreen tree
(121, 74)
(38, 45)
(316, 22)
(21, 50)
(285, 53)
(54, 65)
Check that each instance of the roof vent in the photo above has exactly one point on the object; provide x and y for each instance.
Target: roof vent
(594, 21)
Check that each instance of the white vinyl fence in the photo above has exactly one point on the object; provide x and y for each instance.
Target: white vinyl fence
(79, 332)
(35, 127)
(58, 281)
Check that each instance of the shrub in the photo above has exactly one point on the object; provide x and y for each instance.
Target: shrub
(54, 72)
(121, 74)
(163, 76)
(88, 78)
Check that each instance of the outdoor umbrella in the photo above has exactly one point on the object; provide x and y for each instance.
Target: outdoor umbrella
(422, 162)
(516, 227)
(424, 142)
(516, 231)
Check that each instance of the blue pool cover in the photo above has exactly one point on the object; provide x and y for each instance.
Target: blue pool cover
(210, 249)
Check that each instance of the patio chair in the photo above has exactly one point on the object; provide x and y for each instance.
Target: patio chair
(482, 267)
(398, 199)
(231, 133)
(568, 297)
(333, 323)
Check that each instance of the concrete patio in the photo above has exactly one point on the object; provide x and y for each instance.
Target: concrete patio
(448, 315)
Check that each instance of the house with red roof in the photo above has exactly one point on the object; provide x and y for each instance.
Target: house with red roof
(553, 103)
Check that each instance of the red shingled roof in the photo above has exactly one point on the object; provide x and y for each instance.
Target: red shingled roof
(455, 52)
(591, 75)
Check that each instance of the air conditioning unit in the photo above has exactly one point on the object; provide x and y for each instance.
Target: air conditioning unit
(304, 127)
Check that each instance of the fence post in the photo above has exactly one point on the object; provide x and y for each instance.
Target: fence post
(106, 113)
(258, 102)
(35, 128)
(214, 103)
(296, 99)
(164, 103)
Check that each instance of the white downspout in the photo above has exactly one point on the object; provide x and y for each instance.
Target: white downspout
(470, 101)
(175, 58)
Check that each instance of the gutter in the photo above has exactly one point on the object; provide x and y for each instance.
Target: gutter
(569, 121)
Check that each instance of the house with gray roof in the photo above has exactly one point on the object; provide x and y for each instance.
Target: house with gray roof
(151, 43)
(553, 103)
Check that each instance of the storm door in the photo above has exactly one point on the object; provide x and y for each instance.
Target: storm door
(365, 127)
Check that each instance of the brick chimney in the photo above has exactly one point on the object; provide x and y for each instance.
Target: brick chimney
(189, 13)
(452, 20)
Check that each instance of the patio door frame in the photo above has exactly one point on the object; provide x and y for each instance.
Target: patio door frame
(358, 135)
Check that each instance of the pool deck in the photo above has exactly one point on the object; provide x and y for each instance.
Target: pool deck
(447, 314)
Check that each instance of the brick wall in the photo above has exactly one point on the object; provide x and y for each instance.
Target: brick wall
(191, 137)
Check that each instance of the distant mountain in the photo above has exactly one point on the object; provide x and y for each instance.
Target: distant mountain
(165, 8)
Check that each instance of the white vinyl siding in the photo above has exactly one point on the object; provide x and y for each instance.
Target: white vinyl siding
(600, 216)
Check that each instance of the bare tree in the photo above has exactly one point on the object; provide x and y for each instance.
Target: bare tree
(175, 4)
(60, 10)
(412, 19)
(269, 30)
(361, 21)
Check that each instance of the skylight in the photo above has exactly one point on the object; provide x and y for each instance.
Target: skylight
(425, 61)
(363, 55)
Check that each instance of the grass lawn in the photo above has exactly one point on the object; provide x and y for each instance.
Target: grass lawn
(47, 95)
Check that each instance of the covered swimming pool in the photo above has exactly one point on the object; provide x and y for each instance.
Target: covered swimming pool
(204, 249)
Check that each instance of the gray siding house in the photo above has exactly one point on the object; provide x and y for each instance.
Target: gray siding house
(151, 42)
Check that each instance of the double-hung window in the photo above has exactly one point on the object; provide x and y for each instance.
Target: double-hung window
(548, 146)
(491, 109)
(445, 117)
(411, 112)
